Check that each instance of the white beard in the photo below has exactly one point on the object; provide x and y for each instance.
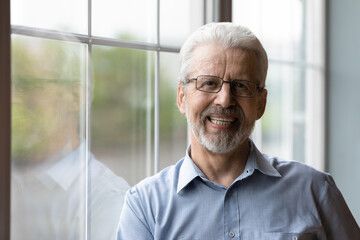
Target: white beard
(223, 141)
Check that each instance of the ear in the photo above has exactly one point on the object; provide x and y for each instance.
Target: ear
(261, 103)
(181, 99)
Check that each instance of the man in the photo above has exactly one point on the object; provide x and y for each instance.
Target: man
(224, 188)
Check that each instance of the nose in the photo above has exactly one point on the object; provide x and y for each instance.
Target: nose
(224, 98)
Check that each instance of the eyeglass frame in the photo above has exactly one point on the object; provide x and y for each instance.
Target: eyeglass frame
(222, 83)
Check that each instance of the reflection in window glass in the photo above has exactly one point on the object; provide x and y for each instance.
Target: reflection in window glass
(64, 15)
(49, 175)
(122, 110)
(48, 134)
(127, 20)
(173, 126)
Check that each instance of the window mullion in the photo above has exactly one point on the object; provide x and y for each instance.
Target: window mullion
(88, 127)
(95, 40)
(156, 94)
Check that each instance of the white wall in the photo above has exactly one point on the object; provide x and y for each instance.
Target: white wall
(343, 147)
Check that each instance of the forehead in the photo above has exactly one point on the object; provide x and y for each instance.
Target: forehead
(214, 59)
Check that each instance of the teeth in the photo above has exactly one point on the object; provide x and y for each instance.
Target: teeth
(222, 121)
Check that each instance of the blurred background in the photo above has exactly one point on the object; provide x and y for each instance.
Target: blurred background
(103, 75)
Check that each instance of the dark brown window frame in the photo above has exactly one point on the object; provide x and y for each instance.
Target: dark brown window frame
(5, 119)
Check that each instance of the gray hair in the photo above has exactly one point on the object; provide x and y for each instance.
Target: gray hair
(229, 35)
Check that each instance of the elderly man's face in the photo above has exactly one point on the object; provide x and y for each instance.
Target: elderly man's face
(220, 122)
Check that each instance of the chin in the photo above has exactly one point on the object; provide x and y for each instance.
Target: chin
(221, 143)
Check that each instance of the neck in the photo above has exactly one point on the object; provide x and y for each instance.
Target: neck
(220, 168)
(67, 140)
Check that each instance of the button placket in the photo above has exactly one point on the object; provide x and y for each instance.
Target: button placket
(231, 214)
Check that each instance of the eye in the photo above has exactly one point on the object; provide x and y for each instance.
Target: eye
(242, 87)
(239, 85)
(210, 83)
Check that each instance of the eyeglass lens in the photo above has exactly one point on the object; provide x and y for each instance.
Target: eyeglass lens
(239, 88)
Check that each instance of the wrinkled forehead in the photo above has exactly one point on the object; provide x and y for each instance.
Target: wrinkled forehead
(214, 59)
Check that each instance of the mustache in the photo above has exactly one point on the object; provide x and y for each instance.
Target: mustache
(233, 110)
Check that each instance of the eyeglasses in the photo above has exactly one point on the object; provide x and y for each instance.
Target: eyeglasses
(212, 84)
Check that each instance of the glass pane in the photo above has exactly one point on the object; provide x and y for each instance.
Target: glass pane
(281, 33)
(173, 126)
(122, 110)
(284, 130)
(178, 19)
(122, 19)
(283, 124)
(48, 198)
(64, 15)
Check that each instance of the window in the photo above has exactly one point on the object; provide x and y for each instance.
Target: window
(94, 101)
(93, 108)
(294, 40)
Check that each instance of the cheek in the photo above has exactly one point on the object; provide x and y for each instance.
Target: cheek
(196, 104)
(249, 109)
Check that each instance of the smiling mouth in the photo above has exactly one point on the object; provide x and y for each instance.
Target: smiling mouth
(221, 121)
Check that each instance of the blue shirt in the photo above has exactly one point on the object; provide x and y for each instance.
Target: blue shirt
(272, 199)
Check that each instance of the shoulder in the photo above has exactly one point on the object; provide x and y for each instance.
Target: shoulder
(294, 168)
(151, 196)
(158, 185)
(309, 187)
(301, 174)
(105, 180)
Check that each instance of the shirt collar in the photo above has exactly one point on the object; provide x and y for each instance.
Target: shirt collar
(187, 171)
(256, 160)
(65, 172)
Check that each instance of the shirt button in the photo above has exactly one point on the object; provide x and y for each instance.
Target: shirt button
(294, 238)
(231, 234)
(229, 193)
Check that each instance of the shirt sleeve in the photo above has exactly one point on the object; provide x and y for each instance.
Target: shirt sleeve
(133, 224)
(338, 222)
